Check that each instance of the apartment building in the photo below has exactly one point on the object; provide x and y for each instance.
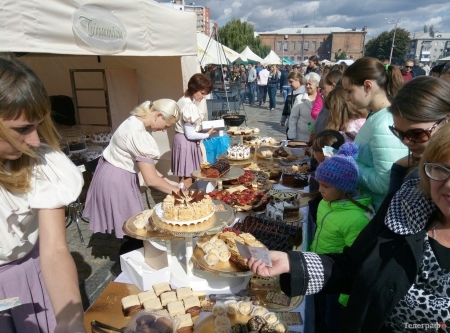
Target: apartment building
(298, 44)
(428, 48)
(202, 12)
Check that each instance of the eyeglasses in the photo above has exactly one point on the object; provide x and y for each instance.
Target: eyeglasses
(436, 172)
(416, 135)
(410, 67)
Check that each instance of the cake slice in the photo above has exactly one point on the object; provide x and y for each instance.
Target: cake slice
(160, 288)
(130, 305)
(191, 302)
(186, 322)
(153, 304)
(184, 292)
(167, 297)
(175, 308)
(146, 295)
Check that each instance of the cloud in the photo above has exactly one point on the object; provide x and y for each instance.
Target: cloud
(268, 15)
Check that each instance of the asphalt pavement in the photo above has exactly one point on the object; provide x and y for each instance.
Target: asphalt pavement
(97, 260)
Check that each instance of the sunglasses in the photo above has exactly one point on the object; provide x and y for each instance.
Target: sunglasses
(436, 172)
(409, 67)
(416, 135)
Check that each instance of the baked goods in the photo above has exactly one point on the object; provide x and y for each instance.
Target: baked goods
(294, 179)
(219, 309)
(163, 325)
(146, 295)
(280, 210)
(183, 292)
(167, 297)
(186, 321)
(191, 301)
(103, 137)
(203, 167)
(263, 283)
(260, 140)
(304, 167)
(160, 288)
(187, 206)
(256, 323)
(176, 308)
(130, 305)
(238, 152)
(217, 169)
(152, 304)
(142, 219)
(280, 152)
(242, 130)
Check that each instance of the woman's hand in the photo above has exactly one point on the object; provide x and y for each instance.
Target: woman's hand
(280, 264)
(211, 131)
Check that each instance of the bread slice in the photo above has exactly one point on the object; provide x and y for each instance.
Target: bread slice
(167, 297)
(130, 305)
(175, 308)
(146, 295)
(153, 304)
(184, 292)
(160, 288)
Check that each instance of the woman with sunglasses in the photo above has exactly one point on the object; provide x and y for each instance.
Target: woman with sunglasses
(418, 110)
(397, 271)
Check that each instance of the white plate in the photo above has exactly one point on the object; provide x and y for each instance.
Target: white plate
(160, 213)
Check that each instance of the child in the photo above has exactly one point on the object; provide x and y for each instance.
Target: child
(341, 216)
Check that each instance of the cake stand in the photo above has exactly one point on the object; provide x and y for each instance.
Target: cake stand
(231, 174)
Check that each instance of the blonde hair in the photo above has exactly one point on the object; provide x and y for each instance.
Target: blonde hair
(22, 94)
(167, 107)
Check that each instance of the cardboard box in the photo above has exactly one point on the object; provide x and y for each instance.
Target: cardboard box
(219, 125)
(130, 264)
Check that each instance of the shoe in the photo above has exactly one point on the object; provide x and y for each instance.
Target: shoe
(259, 103)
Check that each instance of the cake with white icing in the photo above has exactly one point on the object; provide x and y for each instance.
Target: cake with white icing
(280, 210)
(238, 152)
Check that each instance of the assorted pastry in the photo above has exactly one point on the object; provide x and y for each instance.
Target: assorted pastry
(242, 130)
(260, 140)
(238, 152)
(216, 169)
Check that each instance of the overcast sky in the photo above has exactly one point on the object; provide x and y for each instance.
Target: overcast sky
(268, 15)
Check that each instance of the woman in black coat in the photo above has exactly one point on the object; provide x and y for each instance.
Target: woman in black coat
(397, 272)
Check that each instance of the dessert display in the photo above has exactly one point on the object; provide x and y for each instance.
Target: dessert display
(187, 206)
(260, 140)
(103, 137)
(294, 179)
(141, 220)
(275, 235)
(270, 170)
(298, 144)
(304, 167)
(245, 180)
(217, 169)
(281, 210)
(238, 152)
(280, 152)
(242, 130)
(77, 159)
(238, 196)
(204, 166)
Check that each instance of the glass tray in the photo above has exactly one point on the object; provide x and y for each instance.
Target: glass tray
(225, 269)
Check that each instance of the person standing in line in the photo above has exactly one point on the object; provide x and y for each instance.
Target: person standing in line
(37, 181)
(251, 79)
(186, 153)
(407, 72)
(295, 80)
(314, 66)
(273, 83)
(369, 84)
(262, 79)
(242, 83)
(417, 70)
(285, 88)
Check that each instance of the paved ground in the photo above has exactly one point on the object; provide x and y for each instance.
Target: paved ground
(97, 260)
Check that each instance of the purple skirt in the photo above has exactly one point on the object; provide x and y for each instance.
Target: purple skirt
(23, 278)
(186, 156)
(113, 197)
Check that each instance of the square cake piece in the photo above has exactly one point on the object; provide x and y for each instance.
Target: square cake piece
(130, 304)
(191, 302)
(175, 308)
(184, 292)
(146, 295)
(167, 297)
(162, 287)
(186, 320)
(153, 304)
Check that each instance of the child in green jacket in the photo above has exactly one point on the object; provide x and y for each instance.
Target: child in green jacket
(341, 216)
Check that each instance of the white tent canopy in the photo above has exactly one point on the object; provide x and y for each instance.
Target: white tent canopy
(138, 49)
(247, 53)
(212, 52)
(272, 59)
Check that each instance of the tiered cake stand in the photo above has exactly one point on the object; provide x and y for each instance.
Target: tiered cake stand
(179, 245)
(233, 173)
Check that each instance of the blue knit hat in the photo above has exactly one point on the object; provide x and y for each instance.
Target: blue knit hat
(341, 170)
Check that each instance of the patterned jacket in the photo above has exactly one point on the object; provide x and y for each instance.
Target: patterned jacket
(379, 268)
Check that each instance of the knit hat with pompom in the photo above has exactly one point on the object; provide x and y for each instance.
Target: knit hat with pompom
(341, 170)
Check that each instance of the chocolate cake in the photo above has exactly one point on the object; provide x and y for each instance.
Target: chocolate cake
(218, 169)
(295, 179)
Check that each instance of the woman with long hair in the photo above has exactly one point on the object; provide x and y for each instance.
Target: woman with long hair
(371, 85)
(418, 110)
(343, 116)
(186, 153)
(37, 181)
(301, 113)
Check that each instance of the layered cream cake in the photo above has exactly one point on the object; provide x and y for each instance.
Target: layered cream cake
(238, 152)
(187, 206)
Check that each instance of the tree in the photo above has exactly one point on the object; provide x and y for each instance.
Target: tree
(238, 35)
(380, 47)
(425, 28)
(431, 30)
(339, 56)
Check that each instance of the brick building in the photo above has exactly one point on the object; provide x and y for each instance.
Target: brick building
(299, 44)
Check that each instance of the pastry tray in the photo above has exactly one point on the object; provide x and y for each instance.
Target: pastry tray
(233, 173)
(225, 269)
(215, 224)
(149, 235)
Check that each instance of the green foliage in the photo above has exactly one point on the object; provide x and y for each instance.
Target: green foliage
(340, 56)
(238, 35)
(380, 47)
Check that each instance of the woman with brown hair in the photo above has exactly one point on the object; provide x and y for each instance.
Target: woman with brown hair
(186, 154)
(343, 116)
(37, 181)
(371, 85)
(273, 83)
(419, 109)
